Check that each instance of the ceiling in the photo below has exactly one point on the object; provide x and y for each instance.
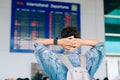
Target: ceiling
(112, 25)
(110, 5)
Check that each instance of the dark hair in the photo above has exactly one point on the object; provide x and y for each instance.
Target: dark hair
(97, 79)
(45, 78)
(22, 79)
(106, 78)
(70, 31)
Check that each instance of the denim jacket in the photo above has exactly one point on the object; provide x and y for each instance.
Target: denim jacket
(48, 59)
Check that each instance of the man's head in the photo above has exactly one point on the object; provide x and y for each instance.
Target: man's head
(70, 31)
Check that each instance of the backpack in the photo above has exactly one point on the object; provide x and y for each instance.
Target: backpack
(75, 73)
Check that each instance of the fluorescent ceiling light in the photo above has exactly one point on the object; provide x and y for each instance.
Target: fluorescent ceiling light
(111, 16)
(112, 34)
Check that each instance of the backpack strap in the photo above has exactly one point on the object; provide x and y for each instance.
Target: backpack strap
(68, 64)
(83, 61)
(65, 61)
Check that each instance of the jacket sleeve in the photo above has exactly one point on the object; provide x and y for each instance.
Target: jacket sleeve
(48, 61)
(94, 58)
(44, 56)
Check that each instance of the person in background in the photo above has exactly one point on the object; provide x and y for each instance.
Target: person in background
(70, 44)
(106, 78)
(38, 75)
(22, 79)
(46, 78)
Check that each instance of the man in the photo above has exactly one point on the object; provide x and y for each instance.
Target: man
(70, 41)
(38, 75)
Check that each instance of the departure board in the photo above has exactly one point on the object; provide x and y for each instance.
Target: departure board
(33, 19)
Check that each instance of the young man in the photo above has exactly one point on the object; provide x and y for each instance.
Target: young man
(70, 41)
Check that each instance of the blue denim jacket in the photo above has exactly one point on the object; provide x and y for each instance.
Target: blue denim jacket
(48, 59)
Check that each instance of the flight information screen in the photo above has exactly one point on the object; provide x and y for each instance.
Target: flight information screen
(33, 19)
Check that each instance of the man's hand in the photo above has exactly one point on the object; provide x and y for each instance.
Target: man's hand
(69, 43)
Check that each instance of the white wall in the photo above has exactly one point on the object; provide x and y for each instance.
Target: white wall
(113, 66)
(19, 64)
(11, 64)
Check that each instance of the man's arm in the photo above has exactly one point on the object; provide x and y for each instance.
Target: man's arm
(77, 42)
(88, 42)
(44, 41)
(66, 43)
